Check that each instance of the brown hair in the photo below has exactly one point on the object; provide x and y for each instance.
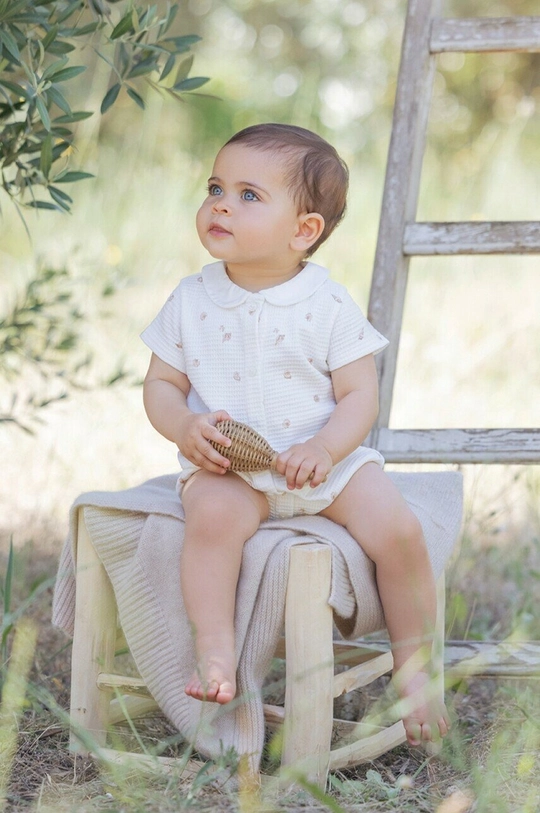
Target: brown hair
(316, 176)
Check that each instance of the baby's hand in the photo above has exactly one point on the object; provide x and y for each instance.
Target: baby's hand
(303, 459)
(194, 433)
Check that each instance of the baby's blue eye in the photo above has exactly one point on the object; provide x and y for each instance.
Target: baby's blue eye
(249, 194)
(214, 189)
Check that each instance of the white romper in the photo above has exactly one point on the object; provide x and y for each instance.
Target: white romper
(266, 359)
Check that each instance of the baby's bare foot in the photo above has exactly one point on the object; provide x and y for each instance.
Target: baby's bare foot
(425, 717)
(212, 680)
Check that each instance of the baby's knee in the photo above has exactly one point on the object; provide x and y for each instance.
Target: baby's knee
(408, 537)
(410, 528)
(399, 538)
(216, 504)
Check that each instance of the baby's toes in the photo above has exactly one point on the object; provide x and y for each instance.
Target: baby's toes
(191, 686)
(210, 690)
(414, 732)
(426, 733)
(196, 689)
(444, 726)
(225, 693)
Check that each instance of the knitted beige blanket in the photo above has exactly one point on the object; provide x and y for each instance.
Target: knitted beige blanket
(138, 536)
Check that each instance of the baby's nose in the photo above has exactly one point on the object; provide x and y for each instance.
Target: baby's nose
(220, 205)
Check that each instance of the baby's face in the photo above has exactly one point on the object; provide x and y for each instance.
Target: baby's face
(249, 217)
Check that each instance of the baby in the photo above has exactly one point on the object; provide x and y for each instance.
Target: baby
(266, 337)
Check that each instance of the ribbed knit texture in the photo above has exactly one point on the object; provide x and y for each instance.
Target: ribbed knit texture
(138, 536)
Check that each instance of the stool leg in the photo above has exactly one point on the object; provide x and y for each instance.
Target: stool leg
(94, 643)
(307, 729)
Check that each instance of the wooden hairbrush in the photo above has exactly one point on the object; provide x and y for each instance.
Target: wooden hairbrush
(248, 451)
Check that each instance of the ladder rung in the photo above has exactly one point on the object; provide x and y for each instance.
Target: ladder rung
(363, 674)
(123, 683)
(519, 659)
(476, 237)
(489, 658)
(458, 445)
(485, 34)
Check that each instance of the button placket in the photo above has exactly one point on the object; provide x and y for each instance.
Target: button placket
(254, 391)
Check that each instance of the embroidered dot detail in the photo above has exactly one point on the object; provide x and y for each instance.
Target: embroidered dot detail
(280, 338)
(310, 361)
(179, 345)
(227, 337)
(287, 374)
(203, 316)
(236, 376)
(199, 279)
(309, 317)
(170, 298)
(316, 398)
(361, 335)
(286, 423)
(196, 363)
(337, 299)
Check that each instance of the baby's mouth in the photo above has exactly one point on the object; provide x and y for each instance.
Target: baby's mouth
(217, 231)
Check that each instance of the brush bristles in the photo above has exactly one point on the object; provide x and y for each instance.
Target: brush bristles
(248, 451)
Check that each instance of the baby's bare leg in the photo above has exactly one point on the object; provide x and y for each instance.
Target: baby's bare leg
(222, 513)
(377, 516)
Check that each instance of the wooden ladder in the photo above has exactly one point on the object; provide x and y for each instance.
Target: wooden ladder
(402, 237)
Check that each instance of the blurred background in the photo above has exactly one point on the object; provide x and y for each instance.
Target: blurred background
(470, 346)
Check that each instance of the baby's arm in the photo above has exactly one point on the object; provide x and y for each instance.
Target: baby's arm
(165, 394)
(357, 405)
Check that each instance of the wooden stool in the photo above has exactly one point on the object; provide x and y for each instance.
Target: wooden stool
(311, 686)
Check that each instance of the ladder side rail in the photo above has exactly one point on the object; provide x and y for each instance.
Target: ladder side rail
(401, 188)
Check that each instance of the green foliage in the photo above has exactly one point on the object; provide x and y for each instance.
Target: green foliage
(38, 41)
(37, 336)
(42, 350)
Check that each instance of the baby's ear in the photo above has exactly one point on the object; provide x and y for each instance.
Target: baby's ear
(310, 227)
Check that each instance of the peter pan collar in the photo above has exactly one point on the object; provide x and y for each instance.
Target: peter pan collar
(222, 291)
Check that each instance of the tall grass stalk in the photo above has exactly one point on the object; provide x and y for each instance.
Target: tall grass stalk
(9, 616)
(7, 624)
(13, 698)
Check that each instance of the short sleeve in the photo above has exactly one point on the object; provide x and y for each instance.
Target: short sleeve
(352, 335)
(164, 335)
